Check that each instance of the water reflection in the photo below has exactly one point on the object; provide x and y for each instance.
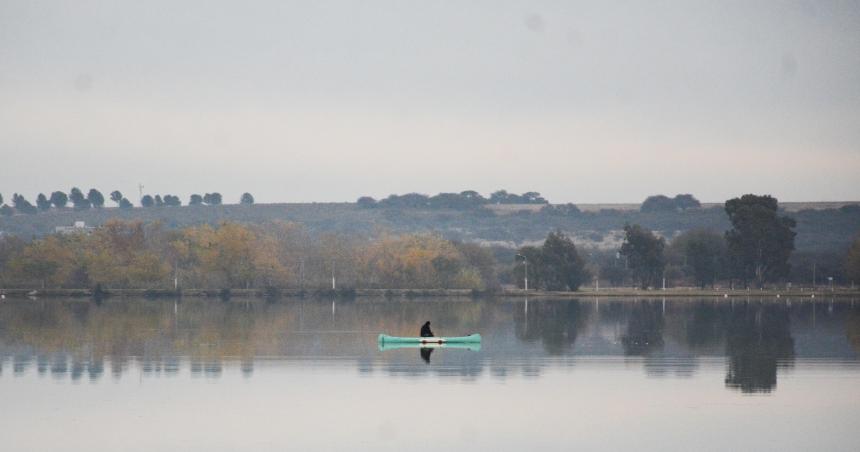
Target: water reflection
(756, 339)
(425, 354)
(758, 342)
(644, 331)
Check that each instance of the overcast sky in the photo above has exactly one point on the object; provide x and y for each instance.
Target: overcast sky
(329, 100)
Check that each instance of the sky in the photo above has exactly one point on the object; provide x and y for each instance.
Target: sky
(588, 102)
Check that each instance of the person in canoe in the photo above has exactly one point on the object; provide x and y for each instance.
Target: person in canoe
(425, 330)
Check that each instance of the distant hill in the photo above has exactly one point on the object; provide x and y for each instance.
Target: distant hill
(820, 226)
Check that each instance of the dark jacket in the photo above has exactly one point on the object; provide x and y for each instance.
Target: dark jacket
(425, 330)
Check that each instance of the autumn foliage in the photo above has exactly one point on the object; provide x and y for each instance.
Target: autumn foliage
(124, 254)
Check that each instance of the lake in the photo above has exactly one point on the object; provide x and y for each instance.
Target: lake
(645, 374)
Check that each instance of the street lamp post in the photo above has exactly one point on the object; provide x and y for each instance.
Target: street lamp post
(525, 271)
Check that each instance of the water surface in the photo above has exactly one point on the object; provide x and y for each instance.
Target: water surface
(675, 374)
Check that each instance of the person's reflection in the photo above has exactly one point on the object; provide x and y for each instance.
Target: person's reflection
(425, 354)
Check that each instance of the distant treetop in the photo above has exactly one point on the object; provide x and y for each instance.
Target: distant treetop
(468, 199)
(213, 199)
(662, 203)
(95, 198)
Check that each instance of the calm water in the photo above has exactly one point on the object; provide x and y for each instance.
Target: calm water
(550, 375)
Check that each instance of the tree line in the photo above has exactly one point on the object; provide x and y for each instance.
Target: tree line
(122, 254)
(468, 199)
(663, 203)
(755, 251)
(94, 199)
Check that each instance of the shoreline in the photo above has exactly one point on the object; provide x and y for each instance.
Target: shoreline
(226, 294)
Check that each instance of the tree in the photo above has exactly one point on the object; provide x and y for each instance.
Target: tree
(472, 195)
(481, 259)
(43, 260)
(59, 199)
(533, 197)
(499, 197)
(686, 201)
(658, 203)
(503, 197)
(7, 211)
(76, 196)
(852, 262)
(43, 202)
(366, 202)
(408, 201)
(644, 253)
(760, 241)
(212, 199)
(147, 201)
(22, 205)
(195, 200)
(563, 268)
(116, 196)
(1, 199)
(246, 199)
(703, 253)
(172, 201)
(124, 203)
(158, 201)
(96, 198)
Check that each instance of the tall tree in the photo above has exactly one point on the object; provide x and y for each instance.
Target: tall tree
(59, 199)
(658, 203)
(147, 201)
(124, 203)
(195, 200)
(247, 199)
(172, 201)
(96, 198)
(366, 202)
(158, 201)
(704, 253)
(563, 268)
(43, 202)
(644, 253)
(76, 196)
(44, 261)
(760, 241)
(22, 205)
(686, 201)
(116, 196)
(213, 199)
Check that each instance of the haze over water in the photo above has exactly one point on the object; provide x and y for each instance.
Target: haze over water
(308, 375)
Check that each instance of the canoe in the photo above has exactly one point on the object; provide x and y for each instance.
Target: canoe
(386, 339)
(472, 346)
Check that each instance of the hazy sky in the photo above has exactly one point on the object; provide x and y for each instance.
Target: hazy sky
(328, 100)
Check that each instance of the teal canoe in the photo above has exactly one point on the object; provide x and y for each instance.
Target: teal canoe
(386, 339)
(472, 346)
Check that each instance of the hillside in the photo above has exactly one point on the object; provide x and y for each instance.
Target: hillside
(819, 229)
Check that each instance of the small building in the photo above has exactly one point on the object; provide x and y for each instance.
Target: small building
(79, 227)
